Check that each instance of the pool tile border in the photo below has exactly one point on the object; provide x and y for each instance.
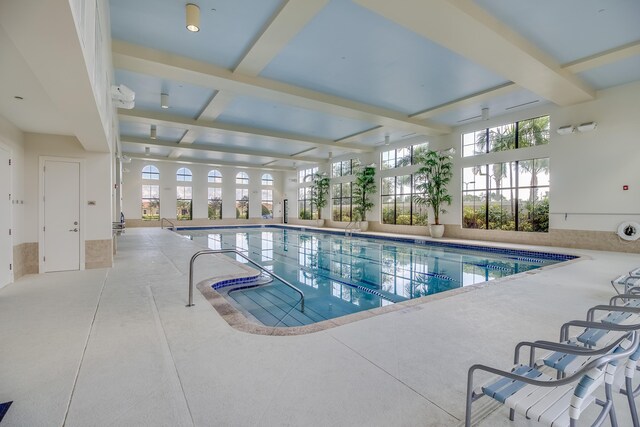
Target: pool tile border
(518, 254)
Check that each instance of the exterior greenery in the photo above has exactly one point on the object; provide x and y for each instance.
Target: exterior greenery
(510, 195)
(432, 178)
(319, 192)
(363, 188)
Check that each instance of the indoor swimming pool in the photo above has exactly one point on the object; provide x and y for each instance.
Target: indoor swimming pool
(341, 275)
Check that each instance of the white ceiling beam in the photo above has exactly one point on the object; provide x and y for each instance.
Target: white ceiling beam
(169, 66)
(467, 100)
(285, 24)
(162, 119)
(217, 149)
(485, 40)
(289, 20)
(604, 58)
(185, 161)
(356, 137)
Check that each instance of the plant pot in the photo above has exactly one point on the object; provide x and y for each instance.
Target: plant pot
(436, 230)
(363, 225)
(319, 222)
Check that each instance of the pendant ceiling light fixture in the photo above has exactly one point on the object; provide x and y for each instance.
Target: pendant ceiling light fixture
(193, 17)
(154, 133)
(164, 100)
(386, 140)
(147, 151)
(485, 113)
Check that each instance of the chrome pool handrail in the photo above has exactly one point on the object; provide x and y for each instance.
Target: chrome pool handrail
(224, 251)
(169, 221)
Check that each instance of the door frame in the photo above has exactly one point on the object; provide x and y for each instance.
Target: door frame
(8, 149)
(81, 196)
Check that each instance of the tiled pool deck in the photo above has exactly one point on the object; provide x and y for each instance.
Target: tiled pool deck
(118, 347)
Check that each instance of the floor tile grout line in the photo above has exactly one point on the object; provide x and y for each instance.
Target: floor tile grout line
(165, 343)
(395, 378)
(84, 350)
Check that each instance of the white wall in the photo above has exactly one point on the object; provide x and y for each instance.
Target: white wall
(97, 179)
(587, 170)
(12, 139)
(132, 182)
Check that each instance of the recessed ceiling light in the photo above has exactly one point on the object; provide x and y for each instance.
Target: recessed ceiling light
(193, 17)
(18, 97)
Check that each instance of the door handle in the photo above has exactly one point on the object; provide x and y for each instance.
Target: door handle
(75, 230)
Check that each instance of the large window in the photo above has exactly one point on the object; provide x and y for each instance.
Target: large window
(214, 177)
(242, 178)
(306, 175)
(306, 210)
(150, 202)
(507, 196)
(267, 179)
(525, 133)
(184, 201)
(267, 204)
(343, 168)
(398, 206)
(342, 202)
(215, 203)
(150, 172)
(400, 157)
(242, 203)
(184, 175)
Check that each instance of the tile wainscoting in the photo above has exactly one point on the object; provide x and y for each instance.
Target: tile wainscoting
(25, 259)
(98, 253)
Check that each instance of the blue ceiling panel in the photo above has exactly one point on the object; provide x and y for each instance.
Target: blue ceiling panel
(351, 52)
(516, 100)
(184, 99)
(259, 113)
(141, 130)
(139, 149)
(227, 27)
(570, 29)
(614, 74)
(251, 142)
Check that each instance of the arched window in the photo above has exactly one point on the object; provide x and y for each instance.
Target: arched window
(215, 195)
(150, 172)
(242, 178)
(184, 174)
(267, 179)
(215, 177)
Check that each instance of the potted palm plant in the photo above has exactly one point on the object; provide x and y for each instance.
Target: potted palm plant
(363, 188)
(320, 194)
(432, 179)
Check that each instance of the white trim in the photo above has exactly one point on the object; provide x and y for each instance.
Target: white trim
(41, 163)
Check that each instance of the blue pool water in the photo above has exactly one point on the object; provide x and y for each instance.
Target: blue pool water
(341, 275)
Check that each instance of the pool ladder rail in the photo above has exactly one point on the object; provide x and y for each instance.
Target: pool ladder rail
(351, 227)
(240, 254)
(173, 226)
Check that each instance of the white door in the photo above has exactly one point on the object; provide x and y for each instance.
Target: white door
(61, 215)
(6, 245)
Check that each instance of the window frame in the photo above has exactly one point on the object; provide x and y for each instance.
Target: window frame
(184, 199)
(488, 189)
(153, 173)
(211, 200)
(487, 134)
(184, 175)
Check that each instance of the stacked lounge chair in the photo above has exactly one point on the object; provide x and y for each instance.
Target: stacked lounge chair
(559, 379)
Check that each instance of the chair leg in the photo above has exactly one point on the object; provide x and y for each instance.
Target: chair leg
(632, 403)
(512, 413)
(612, 410)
